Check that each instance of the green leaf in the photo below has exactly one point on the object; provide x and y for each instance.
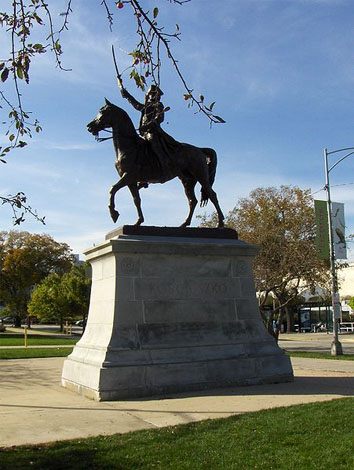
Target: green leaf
(155, 12)
(212, 106)
(218, 118)
(201, 98)
(19, 72)
(37, 18)
(11, 138)
(5, 74)
(2, 65)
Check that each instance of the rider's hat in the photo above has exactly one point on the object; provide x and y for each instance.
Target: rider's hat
(155, 89)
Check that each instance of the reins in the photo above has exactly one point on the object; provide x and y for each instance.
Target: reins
(102, 139)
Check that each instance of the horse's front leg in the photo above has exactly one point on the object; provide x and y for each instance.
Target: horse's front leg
(124, 181)
(137, 201)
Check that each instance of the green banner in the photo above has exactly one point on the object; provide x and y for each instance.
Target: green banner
(322, 229)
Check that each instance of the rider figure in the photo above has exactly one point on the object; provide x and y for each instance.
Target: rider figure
(152, 115)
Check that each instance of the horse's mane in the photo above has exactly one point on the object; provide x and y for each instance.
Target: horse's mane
(125, 117)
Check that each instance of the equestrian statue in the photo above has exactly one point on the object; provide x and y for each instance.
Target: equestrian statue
(154, 156)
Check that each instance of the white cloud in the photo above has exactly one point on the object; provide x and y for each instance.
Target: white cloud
(65, 146)
(18, 171)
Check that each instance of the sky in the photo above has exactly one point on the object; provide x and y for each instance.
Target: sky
(280, 72)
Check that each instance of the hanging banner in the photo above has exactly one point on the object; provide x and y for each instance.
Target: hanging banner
(340, 245)
(322, 230)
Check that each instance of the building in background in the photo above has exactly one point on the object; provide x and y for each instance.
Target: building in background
(346, 281)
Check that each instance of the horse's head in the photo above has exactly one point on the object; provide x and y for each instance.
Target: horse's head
(103, 120)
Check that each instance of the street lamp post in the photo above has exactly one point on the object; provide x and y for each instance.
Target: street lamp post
(336, 347)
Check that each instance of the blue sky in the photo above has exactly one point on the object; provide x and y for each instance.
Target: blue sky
(280, 71)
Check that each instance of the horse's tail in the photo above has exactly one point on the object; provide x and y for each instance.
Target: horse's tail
(211, 162)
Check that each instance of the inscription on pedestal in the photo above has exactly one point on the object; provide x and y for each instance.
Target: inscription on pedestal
(175, 311)
(128, 266)
(151, 289)
(174, 266)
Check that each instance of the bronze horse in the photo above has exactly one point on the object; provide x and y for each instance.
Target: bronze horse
(137, 167)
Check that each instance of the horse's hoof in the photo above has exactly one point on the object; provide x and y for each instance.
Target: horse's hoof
(114, 215)
(139, 222)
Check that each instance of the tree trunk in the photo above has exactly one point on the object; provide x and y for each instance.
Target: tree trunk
(290, 321)
(269, 324)
(278, 324)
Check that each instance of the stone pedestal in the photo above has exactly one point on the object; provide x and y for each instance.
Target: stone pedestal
(171, 314)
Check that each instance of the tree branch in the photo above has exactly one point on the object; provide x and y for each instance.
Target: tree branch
(162, 38)
(19, 207)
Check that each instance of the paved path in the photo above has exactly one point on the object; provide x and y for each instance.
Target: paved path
(45, 332)
(34, 408)
(316, 342)
(33, 332)
(290, 341)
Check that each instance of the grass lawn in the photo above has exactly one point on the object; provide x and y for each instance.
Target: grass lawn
(304, 437)
(33, 340)
(30, 353)
(319, 355)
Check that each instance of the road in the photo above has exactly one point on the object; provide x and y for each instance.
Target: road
(315, 342)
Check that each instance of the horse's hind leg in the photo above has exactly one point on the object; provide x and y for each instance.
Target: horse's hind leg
(189, 185)
(137, 201)
(211, 194)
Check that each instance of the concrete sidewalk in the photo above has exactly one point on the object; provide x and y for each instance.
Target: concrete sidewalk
(34, 408)
(326, 337)
(33, 331)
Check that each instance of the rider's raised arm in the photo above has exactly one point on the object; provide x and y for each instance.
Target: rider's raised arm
(131, 99)
(160, 115)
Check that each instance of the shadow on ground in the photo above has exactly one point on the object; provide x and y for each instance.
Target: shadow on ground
(343, 386)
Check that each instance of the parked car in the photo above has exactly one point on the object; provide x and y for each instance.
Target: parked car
(9, 320)
(81, 323)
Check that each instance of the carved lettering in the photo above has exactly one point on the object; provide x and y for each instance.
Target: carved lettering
(186, 289)
(129, 266)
